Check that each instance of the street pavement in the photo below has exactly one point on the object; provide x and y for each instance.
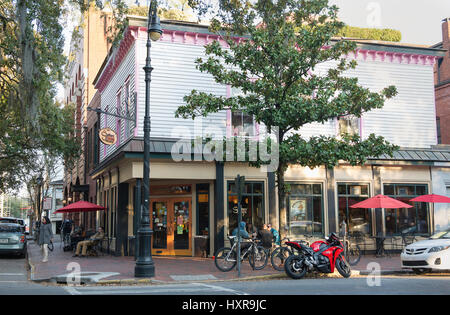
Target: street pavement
(389, 285)
(108, 269)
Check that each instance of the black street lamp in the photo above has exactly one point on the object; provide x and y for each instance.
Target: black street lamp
(144, 262)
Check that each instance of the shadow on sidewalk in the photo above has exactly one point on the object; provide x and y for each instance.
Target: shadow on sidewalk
(167, 269)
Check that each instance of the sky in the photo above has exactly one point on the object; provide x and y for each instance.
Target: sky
(419, 21)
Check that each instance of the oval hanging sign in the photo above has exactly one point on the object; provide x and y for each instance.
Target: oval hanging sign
(107, 136)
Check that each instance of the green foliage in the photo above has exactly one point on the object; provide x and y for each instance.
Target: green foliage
(371, 33)
(274, 69)
(174, 10)
(31, 62)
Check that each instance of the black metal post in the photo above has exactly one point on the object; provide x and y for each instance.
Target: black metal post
(145, 266)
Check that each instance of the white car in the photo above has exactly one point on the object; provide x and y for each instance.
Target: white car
(428, 255)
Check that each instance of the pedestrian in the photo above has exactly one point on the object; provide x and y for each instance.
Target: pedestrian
(276, 235)
(45, 237)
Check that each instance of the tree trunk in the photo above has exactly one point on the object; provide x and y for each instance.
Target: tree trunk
(281, 202)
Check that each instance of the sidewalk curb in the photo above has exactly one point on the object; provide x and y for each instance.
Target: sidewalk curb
(281, 276)
(32, 269)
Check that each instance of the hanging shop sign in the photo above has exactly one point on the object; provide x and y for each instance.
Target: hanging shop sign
(107, 136)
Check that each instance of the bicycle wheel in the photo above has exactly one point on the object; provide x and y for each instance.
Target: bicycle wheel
(225, 259)
(279, 256)
(261, 257)
(354, 255)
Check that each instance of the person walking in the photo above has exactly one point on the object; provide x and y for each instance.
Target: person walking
(45, 237)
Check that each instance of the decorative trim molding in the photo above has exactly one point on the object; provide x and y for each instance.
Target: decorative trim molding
(201, 39)
(116, 58)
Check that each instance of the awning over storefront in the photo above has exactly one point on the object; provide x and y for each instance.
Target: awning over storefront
(421, 155)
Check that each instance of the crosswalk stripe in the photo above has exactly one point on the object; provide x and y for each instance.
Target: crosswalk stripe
(160, 289)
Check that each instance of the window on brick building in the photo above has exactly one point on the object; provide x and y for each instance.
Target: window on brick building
(438, 127)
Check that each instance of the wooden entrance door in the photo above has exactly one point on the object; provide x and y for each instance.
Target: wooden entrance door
(171, 222)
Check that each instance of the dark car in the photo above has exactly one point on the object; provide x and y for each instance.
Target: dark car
(12, 239)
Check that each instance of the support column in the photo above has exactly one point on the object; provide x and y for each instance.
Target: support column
(331, 200)
(377, 191)
(273, 213)
(219, 199)
(122, 220)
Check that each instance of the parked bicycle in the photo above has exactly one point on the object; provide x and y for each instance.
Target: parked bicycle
(226, 258)
(352, 252)
(280, 254)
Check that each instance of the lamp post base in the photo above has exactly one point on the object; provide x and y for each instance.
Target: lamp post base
(144, 271)
(145, 267)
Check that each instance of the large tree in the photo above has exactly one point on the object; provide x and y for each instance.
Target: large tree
(32, 61)
(274, 67)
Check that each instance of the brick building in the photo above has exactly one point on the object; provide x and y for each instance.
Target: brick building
(87, 53)
(442, 86)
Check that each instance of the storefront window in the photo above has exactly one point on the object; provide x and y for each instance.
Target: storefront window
(305, 209)
(357, 220)
(406, 220)
(252, 205)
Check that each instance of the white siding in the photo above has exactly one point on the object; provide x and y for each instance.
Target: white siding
(117, 82)
(173, 77)
(408, 120)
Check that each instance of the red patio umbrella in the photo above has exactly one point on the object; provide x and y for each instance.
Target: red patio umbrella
(432, 198)
(381, 201)
(80, 206)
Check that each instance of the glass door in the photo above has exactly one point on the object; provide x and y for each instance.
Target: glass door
(182, 226)
(171, 225)
(159, 224)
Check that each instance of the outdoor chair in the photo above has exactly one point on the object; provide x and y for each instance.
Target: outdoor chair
(408, 238)
(358, 238)
(395, 242)
(95, 248)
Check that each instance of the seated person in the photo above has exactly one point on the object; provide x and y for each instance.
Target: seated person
(265, 236)
(276, 235)
(243, 235)
(252, 230)
(83, 245)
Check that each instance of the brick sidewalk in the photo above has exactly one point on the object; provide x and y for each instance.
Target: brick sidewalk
(167, 269)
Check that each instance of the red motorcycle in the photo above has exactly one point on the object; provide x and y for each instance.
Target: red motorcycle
(322, 256)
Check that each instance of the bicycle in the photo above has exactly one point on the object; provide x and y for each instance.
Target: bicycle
(352, 252)
(279, 255)
(225, 258)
